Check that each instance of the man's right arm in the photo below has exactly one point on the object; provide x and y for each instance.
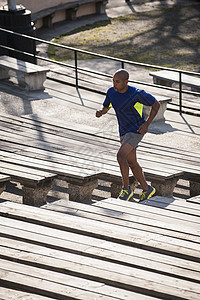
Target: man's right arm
(102, 111)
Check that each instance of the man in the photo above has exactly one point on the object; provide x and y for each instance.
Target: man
(128, 102)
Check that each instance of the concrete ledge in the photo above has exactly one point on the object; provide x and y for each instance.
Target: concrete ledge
(33, 82)
(165, 188)
(3, 180)
(29, 76)
(167, 78)
(36, 194)
(163, 107)
(82, 193)
(70, 8)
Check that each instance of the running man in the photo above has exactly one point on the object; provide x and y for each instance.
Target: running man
(128, 102)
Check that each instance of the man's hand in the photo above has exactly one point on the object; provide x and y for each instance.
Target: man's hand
(102, 111)
(154, 109)
(99, 113)
(143, 128)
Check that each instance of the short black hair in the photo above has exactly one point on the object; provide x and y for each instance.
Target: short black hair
(123, 73)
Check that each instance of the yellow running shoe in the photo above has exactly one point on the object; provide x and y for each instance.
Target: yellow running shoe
(125, 194)
(147, 194)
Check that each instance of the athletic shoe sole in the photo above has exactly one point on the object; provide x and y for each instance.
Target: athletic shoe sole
(129, 197)
(152, 193)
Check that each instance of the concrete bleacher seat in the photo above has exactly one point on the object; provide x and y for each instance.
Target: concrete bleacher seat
(3, 180)
(29, 76)
(82, 158)
(167, 78)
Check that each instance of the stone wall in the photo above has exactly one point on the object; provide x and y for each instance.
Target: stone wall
(36, 6)
(47, 13)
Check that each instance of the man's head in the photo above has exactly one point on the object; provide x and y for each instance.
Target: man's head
(120, 80)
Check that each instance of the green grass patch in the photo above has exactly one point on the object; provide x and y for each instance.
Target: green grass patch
(168, 37)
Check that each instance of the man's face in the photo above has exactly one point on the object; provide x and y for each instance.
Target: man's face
(119, 83)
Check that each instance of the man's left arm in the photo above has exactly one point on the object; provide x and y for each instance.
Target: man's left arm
(154, 109)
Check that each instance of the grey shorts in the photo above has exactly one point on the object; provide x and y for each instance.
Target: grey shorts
(131, 138)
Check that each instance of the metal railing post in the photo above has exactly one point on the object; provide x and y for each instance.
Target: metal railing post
(12, 5)
(76, 67)
(180, 92)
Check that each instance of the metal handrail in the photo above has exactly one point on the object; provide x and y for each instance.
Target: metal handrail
(122, 61)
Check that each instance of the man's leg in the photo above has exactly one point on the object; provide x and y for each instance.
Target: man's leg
(148, 191)
(126, 192)
(122, 156)
(136, 169)
(127, 158)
